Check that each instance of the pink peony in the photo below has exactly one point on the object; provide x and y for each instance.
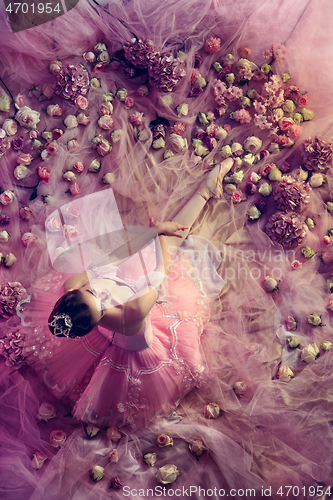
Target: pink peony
(178, 128)
(212, 45)
(166, 73)
(57, 438)
(11, 293)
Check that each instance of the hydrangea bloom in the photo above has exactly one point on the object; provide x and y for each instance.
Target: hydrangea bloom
(11, 347)
(166, 73)
(292, 195)
(317, 153)
(72, 81)
(10, 295)
(286, 228)
(141, 53)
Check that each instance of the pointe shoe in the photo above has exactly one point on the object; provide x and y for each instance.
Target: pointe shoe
(212, 186)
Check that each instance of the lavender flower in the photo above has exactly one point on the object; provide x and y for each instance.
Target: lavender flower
(292, 195)
(17, 143)
(317, 154)
(286, 228)
(72, 81)
(141, 53)
(166, 73)
(11, 347)
(10, 294)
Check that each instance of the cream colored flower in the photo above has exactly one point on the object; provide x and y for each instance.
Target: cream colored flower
(96, 473)
(167, 474)
(310, 353)
(285, 373)
(150, 459)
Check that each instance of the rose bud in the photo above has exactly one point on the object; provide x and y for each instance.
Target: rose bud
(96, 473)
(291, 323)
(83, 119)
(240, 388)
(89, 57)
(10, 126)
(38, 461)
(4, 236)
(28, 239)
(46, 411)
(113, 434)
(317, 180)
(73, 146)
(250, 188)
(254, 177)
(314, 319)
(329, 205)
(44, 173)
(253, 213)
(79, 167)
(164, 441)
(69, 176)
(285, 373)
(108, 178)
(45, 155)
(74, 188)
(150, 459)
(54, 110)
(53, 225)
(55, 67)
(114, 458)
(6, 197)
(52, 147)
(275, 174)
(307, 252)
(56, 133)
(95, 166)
(296, 264)
(196, 447)
(310, 353)
(325, 257)
(57, 438)
(212, 410)
(19, 101)
(20, 172)
(81, 102)
(91, 431)
(265, 189)
(270, 284)
(327, 240)
(237, 196)
(10, 259)
(4, 220)
(47, 91)
(326, 345)
(116, 135)
(116, 483)
(70, 121)
(310, 223)
(24, 158)
(104, 147)
(167, 474)
(105, 122)
(294, 341)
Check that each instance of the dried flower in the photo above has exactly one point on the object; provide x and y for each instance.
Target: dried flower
(163, 441)
(150, 459)
(212, 410)
(291, 195)
(166, 73)
(58, 438)
(285, 373)
(141, 53)
(293, 341)
(38, 461)
(314, 319)
(116, 483)
(270, 284)
(317, 154)
(240, 388)
(326, 345)
(11, 347)
(113, 457)
(196, 447)
(307, 252)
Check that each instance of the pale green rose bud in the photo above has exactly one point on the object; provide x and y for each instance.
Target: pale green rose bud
(121, 94)
(246, 102)
(217, 66)
(265, 68)
(158, 143)
(182, 109)
(285, 77)
(298, 118)
(253, 213)
(168, 154)
(326, 345)
(108, 97)
(229, 189)
(275, 174)
(307, 114)
(329, 206)
(96, 473)
(293, 342)
(307, 252)
(226, 151)
(36, 145)
(230, 77)
(300, 174)
(310, 223)
(201, 150)
(94, 83)
(314, 319)
(202, 117)
(289, 106)
(265, 189)
(248, 159)
(4, 104)
(95, 166)
(285, 373)
(251, 93)
(238, 176)
(201, 82)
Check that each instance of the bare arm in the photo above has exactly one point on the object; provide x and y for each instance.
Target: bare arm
(76, 281)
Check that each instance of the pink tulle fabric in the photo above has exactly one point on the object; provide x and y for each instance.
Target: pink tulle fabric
(274, 429)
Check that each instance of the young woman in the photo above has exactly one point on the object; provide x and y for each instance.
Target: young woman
(124, 350)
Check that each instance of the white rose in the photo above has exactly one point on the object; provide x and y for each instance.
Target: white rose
(4, 236)
(314, 319)
(10, 259)
(238, 176)
(182, 109)
(69, 176)
(230, 188)
(95, 83)
(200, 82)
(108, 178)
(265, 189)
(316, 180)
(83, 119)
(246, 64)
(150, 459)
(310, 353)
(307, 114)
(270, 284)
(158, 143)
(285, 373)
(167, 474)
(228, 59)
(168, 154)
(293, 341)
(100, 47)
(20, 172)
(237, 149)
(104, 57)
(326, 345)
(220, 133)
(116, 135)
(46, 411)
(89, 57)
(47, 136)
(253, 213)
(275, 174)
(27, 117)
(178, 142)
(91, 431)
(4, 104)
(300, 174)
(97, 473)
(252, 144)
(240, 388)
(10, 126)
(106, 122)
(70, 121)
(226, 151)
(248, 159)
(94, 166)
(201, 150)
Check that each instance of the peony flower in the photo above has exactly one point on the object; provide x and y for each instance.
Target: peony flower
(113, 457)
(91, 431)
(54, 110)
(316, 180)
(167, 474)
(270, 284)
(46, 411)
(10, 259)
(10, 126)
(317, 154)
(6, 197)
(326, 345)
(20, 172)
(285, 373)
(57, 438)
(150, 459)
(96, 473)
(164, 441)
(28, 239)
(73, 146)
(293, 341)
(113, 434)
(307, 252)
(310, 353)
(116, 483)
(240, 388)
(196, 447)
(212, 410)
(265, 189)
(83, 119)
(27, 117)
(38, 461)
(44, 173)
(71, 121)
(314, 319)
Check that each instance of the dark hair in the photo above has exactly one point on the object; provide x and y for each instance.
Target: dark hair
(72, 304)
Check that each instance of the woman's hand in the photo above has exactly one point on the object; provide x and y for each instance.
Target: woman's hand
(168, 228)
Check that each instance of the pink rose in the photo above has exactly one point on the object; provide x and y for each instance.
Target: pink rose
(237, 196)
(46, 411)
(291, 323)
(129, 102)
(212, 45)
(303, 100)
(57, 438)
(103, 148)
(83, 119)
(24, 159)
(296, 264)
(38, 461)
(196, 447)
(53, 225)
(106, 122)
(55, 67)
(114, 458)
(330, 305)
(81, 102)
(27, 117)
(48, 90)
(28, 239)
(164, 441)
(10, 126)
(212, 410)
(106, 108)
(25, 213)
(73, 146)
(33, 134)
(52, 147)
(227, 128)
(89, 57)
(71, 232)
(285, 123)
(44, 173)
(254, 177)
(136, 118)
(285, 142)
(70, 121)
(113, 434)
(244, 52)
(326, 257)
(54, 110)
(56, 133)
(74, 189)
(19, 101)
(294, 131)
(79, 167)
(327, 240)
(6, 197)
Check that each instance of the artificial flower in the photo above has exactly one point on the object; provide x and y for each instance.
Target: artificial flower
(285, 373)
(47, 91)
(253, 213)
(248, 159)
(327, 240)
(38, 461)
(314, 319)
(96, 473)
(291, 323)
(217, 66)
(17, 143)
(275, 174)
(25, 213)
(150, 459)
(270, 284)
(316, 180)
(28, 239)
(95, 83)
(326, 345)
(226, 151)
(52, 147)
(230, 189)
(121, 94)
(325, 257)
(329, 205)
(91, 431)
(24, 158)
(6, 197)
(310, 353)
(44, 173)
(293, 342)
(178, 143)
(106, 122)
(142, 91)
(265, 189)
(113, 457)
(240, 388)
(307, 252)
(58, 438)
(196, 447)
(71, 121)
(164, 441)
(252, 144)
(27, 117)
(212, 410)
(69, 176)
(167, 474)
(4, 104)
(137, 118)
(307, 114)
(74, 188)
(46, 411)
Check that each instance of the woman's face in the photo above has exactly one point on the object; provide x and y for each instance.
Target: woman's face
(90, 298)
